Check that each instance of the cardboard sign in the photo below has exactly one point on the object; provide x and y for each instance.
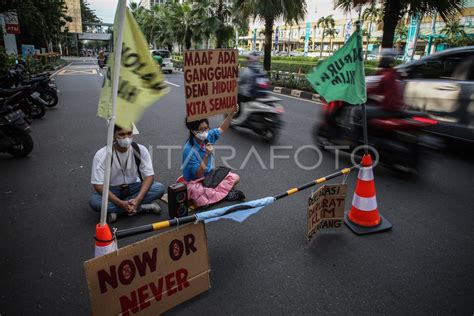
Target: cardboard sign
(210, 82)
(152, 275)
(326, 208)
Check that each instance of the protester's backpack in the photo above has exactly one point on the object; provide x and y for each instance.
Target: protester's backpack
(138, 159)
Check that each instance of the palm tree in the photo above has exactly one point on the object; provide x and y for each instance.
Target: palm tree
(270, 11)
(325, 22)
(213, 17)
(371, 14)
(331, 32)
(454, 31)
(395, 9)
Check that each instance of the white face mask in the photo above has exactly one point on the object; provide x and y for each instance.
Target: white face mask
(124, 142)
(202, 136)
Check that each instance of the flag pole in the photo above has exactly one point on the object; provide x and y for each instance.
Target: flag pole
(120, 234)
(111, 120)
(364, 109)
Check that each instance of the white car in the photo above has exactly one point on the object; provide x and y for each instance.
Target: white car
(167, 65)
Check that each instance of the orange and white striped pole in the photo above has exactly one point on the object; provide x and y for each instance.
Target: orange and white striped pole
(364, 217)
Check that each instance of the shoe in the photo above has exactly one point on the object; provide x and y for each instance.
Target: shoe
(235, 195)
(111, 217)
(152, 208)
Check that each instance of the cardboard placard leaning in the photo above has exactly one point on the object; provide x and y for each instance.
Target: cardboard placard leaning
(326, 208)
(150, 276)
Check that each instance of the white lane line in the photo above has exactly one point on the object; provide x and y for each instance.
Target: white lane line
(173, 84)
(299, 99)
(100, 74)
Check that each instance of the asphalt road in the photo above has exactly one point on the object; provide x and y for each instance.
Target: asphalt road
(262, 266)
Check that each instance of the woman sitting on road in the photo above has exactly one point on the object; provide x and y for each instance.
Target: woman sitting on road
(207, 185)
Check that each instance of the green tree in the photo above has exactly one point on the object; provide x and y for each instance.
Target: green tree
(372, 14)
(455, 32)
(401, 33)
(88, 15)
(395, 9)
(270, 11)
(42, 22)
(324, 23)
(331, 33)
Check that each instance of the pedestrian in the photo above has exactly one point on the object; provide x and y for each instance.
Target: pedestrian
(132, 186)
(207, 184)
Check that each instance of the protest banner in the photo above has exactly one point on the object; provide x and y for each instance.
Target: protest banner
(326, 208)
(210, 82)
(141, 82)
(341, 77)
(150, 276)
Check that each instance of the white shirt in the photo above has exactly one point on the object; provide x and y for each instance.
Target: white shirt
(124, 168)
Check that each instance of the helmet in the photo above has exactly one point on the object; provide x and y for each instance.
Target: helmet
(387, 57)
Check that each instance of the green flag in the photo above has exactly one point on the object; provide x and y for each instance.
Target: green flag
(341, 77)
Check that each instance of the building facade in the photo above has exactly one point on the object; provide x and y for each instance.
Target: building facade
(74, 11)
(292, 37)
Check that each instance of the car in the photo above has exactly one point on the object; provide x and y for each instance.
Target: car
(167, 64)
(442, 85)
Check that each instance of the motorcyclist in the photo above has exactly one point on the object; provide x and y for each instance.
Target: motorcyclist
(386, 95)
(247, 80)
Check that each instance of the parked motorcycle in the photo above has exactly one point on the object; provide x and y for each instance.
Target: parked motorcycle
(41, 83)
(396, 139)
(26, 99)
(15, 138)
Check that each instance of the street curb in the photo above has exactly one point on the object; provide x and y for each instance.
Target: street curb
(297, 94)
(290, 92)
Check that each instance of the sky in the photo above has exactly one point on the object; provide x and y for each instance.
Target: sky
(104, 9)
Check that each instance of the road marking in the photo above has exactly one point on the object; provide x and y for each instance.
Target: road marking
(100, 74)
(173, 84)
(65, 67)
(77, 72)
(299, 99)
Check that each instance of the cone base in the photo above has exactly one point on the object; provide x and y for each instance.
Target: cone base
(361, 230)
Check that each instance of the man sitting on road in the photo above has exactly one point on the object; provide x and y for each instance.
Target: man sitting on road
(132, 189)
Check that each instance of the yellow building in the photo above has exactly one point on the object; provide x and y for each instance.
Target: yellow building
(74, 11)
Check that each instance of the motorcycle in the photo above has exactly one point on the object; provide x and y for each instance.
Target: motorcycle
(262, 115)
(15, 138)
(397, 139)
(101, 62)
(42, 83)
(26, 99)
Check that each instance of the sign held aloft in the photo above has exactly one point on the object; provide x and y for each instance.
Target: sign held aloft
(210, 82)
(326, 208)
(150, 276)
(341, 77)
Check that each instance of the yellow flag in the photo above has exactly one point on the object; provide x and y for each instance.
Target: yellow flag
(141, 82)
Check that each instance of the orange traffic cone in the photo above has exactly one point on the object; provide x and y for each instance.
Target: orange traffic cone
(104, 242)
(364, 217)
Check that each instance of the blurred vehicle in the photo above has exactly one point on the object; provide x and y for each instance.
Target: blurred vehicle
(167, 64)
(397, 139)
(442, 85)
(295, 54)
(257, 53)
